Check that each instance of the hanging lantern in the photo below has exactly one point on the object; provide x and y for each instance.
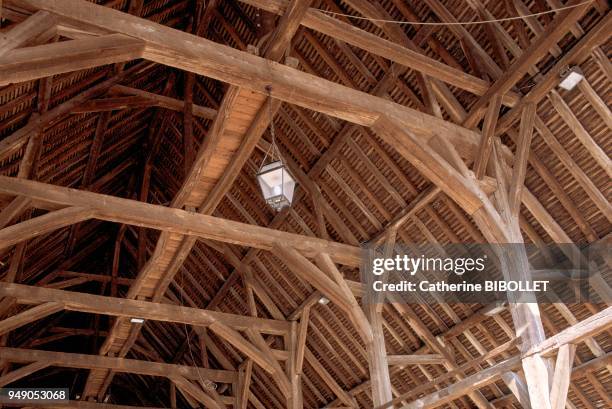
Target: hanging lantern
(276, 183)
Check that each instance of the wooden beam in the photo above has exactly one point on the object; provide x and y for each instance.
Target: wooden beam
(296, 398)
(23, 372)
(31, 63)
(488, 131)
(34, 25)
(175, 220)
(355, 312)
(30, 315)
(15, 208)
(114, 103)
(244, 383)
(519, 169)
(172, 395)
(43, 224)
(562, 375)
(517, 386)
(188, 141)
(197, 393)
(414, 359)
(586, 328)
(602, 203)
(182, 50)
(301, 339)
(163, 101)
(280, 39)
(278, 374)
(95, 277)
(577, 54)
(377, 357)
(335, 28)
(434, 167)
(596, 152)
(539, 46)
(244, 346)
(70, 360)
(301, 266)
(474, 50)
(329, 380)
(120, 307)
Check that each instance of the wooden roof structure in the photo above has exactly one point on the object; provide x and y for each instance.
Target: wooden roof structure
(140, 266)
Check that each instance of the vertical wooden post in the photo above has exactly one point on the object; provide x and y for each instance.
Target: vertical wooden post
(244, 382)
(172, 395)
(377, 358)
(188, 145)
(561, 378)
(377, 352)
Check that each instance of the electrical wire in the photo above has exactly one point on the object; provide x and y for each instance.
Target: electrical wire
(457, 23)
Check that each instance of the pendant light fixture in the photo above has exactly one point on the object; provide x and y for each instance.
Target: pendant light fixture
(276, 183)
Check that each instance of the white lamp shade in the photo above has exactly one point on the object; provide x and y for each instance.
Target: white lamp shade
(277, 185)
(571, 78)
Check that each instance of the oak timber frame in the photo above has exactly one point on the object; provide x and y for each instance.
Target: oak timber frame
(443, 158)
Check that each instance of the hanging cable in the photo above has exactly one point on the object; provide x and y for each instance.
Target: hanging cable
(272, 149)
(457, 23)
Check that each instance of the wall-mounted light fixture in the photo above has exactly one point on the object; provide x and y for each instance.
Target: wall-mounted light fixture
(570, 77)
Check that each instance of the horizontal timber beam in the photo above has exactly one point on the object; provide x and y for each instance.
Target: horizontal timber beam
(121, 307)
(175, 220)
(178, 49)
(70, 360)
